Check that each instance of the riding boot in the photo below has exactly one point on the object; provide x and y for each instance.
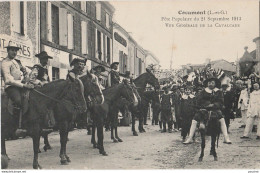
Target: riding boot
(224, 131)
(192, 132)
(17, 113)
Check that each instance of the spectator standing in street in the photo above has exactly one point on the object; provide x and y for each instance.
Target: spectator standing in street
(253, 112)
(228, 105)
(166, 114)
(243, 104)
(187, 111)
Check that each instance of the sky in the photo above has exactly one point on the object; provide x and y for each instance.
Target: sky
(143, 20)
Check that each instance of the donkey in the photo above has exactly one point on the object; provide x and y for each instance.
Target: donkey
(209, 125)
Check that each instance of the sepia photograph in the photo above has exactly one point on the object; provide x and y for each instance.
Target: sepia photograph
(130, 85)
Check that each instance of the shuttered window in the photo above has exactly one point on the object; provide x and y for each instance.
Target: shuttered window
(55, 23)
(84, 37)
(70, 31)
(63, 27)
(98, 11)
(19, 17)
(99, 45)
(108, 50)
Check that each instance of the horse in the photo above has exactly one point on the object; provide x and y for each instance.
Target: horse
(138, 111)
(91, 90)
(209, 125)
(100, 111)
(58, 93)
(122, 105)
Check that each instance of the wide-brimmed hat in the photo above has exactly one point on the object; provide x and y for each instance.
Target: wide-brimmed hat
(78, 59)
(217, 81)
(43, 54)
(101, 67)
(12, 45)
(114, 63)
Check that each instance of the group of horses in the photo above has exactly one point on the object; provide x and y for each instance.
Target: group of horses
(66, 99)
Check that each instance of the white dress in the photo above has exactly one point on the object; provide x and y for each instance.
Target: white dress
(254, 106)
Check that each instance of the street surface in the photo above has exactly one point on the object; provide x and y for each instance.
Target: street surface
(150, 150)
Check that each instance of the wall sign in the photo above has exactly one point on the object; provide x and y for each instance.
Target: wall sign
(120, 39)
(25, 54)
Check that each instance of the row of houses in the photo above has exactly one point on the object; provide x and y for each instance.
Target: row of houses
(69, 29)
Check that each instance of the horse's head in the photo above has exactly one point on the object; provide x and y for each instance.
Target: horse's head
(91, 88)
(126, 91)
(74, 92)
(152, 80)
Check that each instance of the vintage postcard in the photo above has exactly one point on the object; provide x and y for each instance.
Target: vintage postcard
(130, 85)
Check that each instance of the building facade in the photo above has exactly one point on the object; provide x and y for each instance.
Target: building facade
(72, 29)
(120, 48)
(19, 25)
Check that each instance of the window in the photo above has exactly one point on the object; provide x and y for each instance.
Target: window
(19, 17)
(84, 45)
(84, 6)
(98, 11)
(55, 23)
(99, 45)
(108, 50)
(55, 73)
(140, 66)
(70, 32)
(107, 21)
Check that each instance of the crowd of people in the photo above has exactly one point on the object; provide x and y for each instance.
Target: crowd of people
(232, 98)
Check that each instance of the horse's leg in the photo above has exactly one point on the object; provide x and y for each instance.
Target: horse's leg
(93, 137)
(3, 148)
(63, 142)
(141, 120)
(202, 132)
(101, 139)
(213, 149)
(119, 140)
(47, 145)
(133, 125)
(112, 134)
(35, 128)
(67, 157)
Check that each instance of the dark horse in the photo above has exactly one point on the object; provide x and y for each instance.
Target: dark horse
(62, 96)
(138, 111)
(122, 105)
(99, 112)
(91, 90)
(209, 125)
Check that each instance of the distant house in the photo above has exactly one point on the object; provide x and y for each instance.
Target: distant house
(228, 67)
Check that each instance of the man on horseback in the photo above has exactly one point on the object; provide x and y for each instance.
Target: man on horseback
(39, 74)
(115, 78)
(97, 71)
(13, 73)
(211, 98)
(38, 77)
(78, 67)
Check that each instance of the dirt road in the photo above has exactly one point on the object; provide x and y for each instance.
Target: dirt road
(150, 150)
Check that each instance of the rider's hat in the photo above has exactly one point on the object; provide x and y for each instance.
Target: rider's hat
(12, 45)
(76, 60)
(43, 54)
(113, 64)
(101, 67)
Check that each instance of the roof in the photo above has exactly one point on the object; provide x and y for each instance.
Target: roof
(247, 57)
(149, 52)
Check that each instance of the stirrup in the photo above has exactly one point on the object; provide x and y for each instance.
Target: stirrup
(20, 132)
